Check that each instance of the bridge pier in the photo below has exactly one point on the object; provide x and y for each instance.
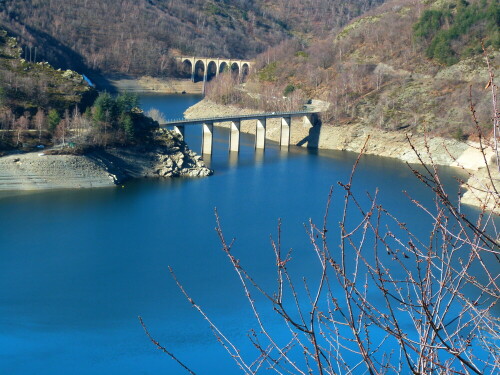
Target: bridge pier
(307, 121)
(285, 132)
(180, 129)
(205, 79)
(208, 138)
(260, 133)
(193, 69)
(234, 138)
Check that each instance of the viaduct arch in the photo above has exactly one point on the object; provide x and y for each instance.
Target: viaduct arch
(220, 65)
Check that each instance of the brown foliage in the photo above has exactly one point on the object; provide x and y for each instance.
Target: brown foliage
(138, 37)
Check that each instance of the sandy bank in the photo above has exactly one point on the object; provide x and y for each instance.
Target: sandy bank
(156, 85)
(33, 172)
(440, 151)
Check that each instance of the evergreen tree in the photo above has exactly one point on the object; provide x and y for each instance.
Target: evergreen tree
(105, 107)
(125, 102)
(53, 120)
(128, 126)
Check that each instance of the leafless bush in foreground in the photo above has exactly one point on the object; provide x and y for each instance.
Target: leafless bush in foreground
(385, 301)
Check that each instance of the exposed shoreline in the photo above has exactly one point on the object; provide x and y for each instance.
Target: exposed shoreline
(155, 85)
(100, 168)
(393, 144)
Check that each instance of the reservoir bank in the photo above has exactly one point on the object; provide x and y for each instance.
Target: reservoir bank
(79, 266)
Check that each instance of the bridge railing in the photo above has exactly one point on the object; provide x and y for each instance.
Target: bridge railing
(238, 117)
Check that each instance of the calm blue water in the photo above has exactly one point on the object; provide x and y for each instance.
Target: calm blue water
(78, 267)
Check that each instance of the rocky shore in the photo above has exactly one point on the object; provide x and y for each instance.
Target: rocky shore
(394, 144)
(167, 157)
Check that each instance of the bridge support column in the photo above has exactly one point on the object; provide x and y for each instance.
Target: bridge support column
(180, 129)
(285, 132)
(307, 121)
(260, 133)
(234, 140)
(205, 79)
(207, 139)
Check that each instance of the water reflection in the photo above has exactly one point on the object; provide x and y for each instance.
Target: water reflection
(259, 156)
(233, 159)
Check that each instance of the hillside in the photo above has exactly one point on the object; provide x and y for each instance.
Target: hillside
(404, 65)
(31, 91)
(138, 37)
(41, 106)
(27, 86)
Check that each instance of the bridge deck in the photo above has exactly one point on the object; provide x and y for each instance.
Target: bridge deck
(255, 116)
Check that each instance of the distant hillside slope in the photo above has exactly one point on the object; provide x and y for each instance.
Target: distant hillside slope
(139, 36)
(406, 64)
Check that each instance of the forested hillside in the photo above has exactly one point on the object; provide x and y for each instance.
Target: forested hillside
(139, 37)
(406, 64)
(41, 106)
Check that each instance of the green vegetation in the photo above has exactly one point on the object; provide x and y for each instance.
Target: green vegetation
(27, 86)
(458, 29)
(302, 54)
(53, 119)
(116, 115)
(268, 73)
(288, 89)
(216, 10)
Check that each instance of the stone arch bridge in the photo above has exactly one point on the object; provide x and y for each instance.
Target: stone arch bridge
(217, 64)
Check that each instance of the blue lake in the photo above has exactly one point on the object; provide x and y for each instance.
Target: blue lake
(78, 267)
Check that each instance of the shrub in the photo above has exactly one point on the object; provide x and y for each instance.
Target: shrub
(441, 29)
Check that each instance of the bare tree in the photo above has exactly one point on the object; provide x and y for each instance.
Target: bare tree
(40, 122)
(385, 301)
(21, 125)
(156, 115)
(63, 127)
(7, 118)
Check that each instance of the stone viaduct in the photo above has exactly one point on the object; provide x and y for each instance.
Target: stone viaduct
(214, 64)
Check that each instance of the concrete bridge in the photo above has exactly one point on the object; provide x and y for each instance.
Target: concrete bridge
(234, 135)
(217, 65)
